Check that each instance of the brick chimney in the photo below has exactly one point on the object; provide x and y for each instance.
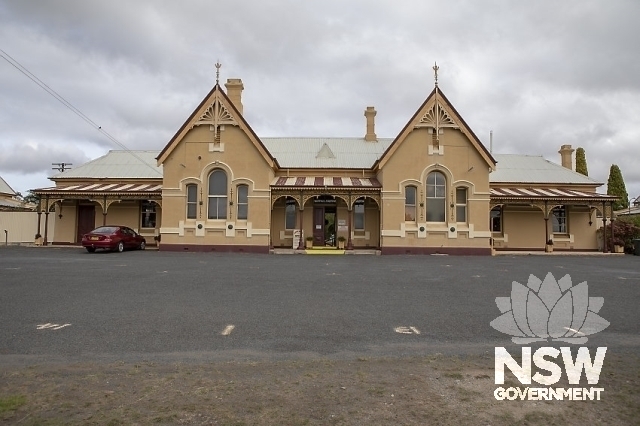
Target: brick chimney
(370, 113)
(234, 92)
(565, 155)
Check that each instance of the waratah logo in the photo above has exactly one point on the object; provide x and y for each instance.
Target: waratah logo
(549, 310)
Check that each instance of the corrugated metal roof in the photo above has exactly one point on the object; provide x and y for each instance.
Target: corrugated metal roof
(349, 153)
(513, 168)
(325, 181)
(5, 188)
(118, 165)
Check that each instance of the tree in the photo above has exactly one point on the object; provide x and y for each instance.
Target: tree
(581, 162)
(615, 186)
(30, 197)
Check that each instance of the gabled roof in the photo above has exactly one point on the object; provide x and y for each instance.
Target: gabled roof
(534, 169)
(216, 94)
(117, 165)
(437, 98)
(348, 153)
(5, 188)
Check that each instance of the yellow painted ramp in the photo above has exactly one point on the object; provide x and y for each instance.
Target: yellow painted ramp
(324, 250)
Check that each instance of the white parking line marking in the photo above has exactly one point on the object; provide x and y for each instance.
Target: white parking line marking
(61, 326)
(51, 326)
(227, 330)
(406, 330)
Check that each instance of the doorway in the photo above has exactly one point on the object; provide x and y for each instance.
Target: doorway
(86, 221)
(324, 226)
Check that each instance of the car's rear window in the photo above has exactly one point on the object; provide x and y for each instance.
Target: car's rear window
(105, 230)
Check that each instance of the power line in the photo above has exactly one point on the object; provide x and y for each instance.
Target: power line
(17, 65)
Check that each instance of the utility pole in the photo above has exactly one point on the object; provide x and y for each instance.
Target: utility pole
(61, 167)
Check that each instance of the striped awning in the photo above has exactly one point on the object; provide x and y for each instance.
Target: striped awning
(101, 188)
(547, 193)
(324, 181)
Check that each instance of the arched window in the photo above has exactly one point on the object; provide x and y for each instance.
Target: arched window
(410, 203)
(243, 201)
(192, 201)
(436, 197)
(217, 195)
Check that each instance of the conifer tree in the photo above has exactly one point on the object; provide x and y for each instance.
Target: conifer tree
(615, 186)
(581, 162)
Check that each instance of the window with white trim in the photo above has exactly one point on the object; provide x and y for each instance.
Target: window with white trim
(496, 219)
(461, 204)
(217, 195)
(559, 220)
(243, 202)
(192, 201)
(148, 214)
(436, 197)
(410, 203)
(290, 214)
(358, 215)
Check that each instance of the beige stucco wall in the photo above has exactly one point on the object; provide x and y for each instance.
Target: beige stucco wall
(192, 161)
(125, 213)
(462, 165)
(524, 228)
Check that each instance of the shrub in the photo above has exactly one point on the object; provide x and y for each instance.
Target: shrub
(622, 234)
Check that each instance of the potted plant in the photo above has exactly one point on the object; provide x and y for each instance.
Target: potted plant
(309, 243)
(341, 241)
(549, 246)
(618, 245)
(38, 239)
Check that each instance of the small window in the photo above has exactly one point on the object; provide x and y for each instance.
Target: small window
(496, 219)
(358, 215)
(290, 214)
(148, 214)
(436, 197)
(410, 203)
(559, 220)
(192, 201)
(461, 204)
(217, 195)
(243, 202)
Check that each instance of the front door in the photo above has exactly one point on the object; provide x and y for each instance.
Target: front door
(318, 226)
(86, 220)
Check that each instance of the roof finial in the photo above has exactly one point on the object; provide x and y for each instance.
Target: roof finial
(218, 65)
(435, 70)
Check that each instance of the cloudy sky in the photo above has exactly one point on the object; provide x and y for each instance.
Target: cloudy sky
(539, 74)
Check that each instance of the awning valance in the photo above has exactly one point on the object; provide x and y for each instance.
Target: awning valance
(505, 193)
(341, 182)
(103, 189)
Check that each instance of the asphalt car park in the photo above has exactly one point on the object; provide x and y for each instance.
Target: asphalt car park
(64, 303)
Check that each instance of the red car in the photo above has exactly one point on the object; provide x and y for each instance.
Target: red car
(113, 238)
